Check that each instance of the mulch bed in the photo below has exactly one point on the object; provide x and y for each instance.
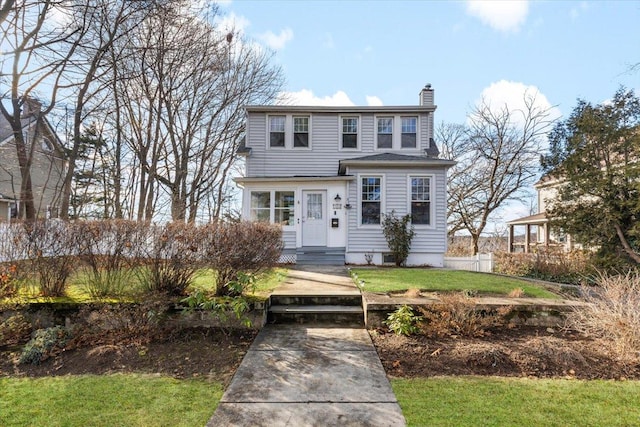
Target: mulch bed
(518, 352)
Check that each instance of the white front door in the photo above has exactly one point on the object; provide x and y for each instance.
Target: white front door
(314, 218)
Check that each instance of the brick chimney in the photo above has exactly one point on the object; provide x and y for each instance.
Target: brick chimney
(426, 96)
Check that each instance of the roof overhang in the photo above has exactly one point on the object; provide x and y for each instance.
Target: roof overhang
(537, 219)
(274, 109)
(259, 180)
(426, 163)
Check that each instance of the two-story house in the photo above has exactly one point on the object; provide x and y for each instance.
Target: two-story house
(547, 193)
(47, 164)
(328, 174)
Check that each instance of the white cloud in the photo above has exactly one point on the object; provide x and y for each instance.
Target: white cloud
(513, 94)
(502, 16)
(374, 101)
(277, 41)
(306, 97)
(231, 22)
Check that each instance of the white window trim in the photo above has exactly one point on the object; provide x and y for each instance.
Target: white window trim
(432, 184)
(272, 204)
(291, 129)
(288, 132)
(268, 132)
(396, 136)
(383, 198)
(358, 136)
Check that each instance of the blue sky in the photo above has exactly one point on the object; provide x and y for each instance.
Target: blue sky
(380, 51)
(383, 52)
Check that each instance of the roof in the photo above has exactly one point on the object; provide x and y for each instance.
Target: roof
(341, 109)
(6, 131)
(4, 198)
(539, 218)
(242, 149)
(242, 180)
(394, 159)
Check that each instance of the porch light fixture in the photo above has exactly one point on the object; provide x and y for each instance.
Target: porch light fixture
(337, 199)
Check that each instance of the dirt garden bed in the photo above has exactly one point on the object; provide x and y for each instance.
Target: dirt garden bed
(514, 352)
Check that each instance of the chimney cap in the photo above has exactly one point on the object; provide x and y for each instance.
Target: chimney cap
(427, 86)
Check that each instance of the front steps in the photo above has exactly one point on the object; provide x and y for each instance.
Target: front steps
(344, 310)
(319, 255)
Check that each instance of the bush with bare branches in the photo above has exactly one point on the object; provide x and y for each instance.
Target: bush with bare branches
(171, 257)
(457, 314)
(232, 248)
(612, 312)
(108, 252)
(572, 267)
(50, 250)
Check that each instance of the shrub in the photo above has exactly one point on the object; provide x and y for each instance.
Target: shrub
(612, 312)
(8, 282)
(171, 258)
(399, 233)
(457, 314)
(403, 321)
(232, 248)
(14, 330)
(50, 249)
(573, 267)
(43, 344)
(108, 250)
(219, 307)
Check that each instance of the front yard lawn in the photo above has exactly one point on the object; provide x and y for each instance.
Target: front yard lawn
(109, 400)
(483, 401)
(430, 279)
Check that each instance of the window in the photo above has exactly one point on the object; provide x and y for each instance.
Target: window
(385, 132)
(409, 132)
(47, 145)
(301, 132)
(349, 132)
(371, 192)
(420, 200)
(284, 208)
(276, 131)
(261, 206)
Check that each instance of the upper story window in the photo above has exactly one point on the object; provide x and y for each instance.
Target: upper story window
(300, 132)
(276, 131)
(371, 200)
(349, 132)
(420, 200)
(409, 132)
(385, 132)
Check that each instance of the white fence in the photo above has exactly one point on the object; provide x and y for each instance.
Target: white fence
(482, 263)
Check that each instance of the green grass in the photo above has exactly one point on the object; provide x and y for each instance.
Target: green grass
(77, 293)
(400, 279)
(475, 401)
(111, 400)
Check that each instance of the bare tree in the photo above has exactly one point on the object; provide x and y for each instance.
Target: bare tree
(182, 104)
(36, 57)
(498, 157)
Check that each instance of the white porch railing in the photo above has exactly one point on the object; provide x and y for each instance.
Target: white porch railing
(482, 263)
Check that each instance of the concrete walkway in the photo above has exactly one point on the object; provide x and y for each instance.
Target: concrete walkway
(305, 375)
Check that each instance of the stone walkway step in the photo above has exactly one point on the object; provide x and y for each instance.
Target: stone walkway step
(309, 309)
(305, 375)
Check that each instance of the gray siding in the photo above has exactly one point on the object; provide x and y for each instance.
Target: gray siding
(47, 171)
(427, 240)
(322, 159)
(289, 239)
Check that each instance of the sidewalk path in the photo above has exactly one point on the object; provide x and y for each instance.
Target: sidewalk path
(306, 375)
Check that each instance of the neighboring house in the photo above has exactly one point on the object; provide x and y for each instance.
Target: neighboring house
(547, 189)
(47, 167)
(328, 174)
